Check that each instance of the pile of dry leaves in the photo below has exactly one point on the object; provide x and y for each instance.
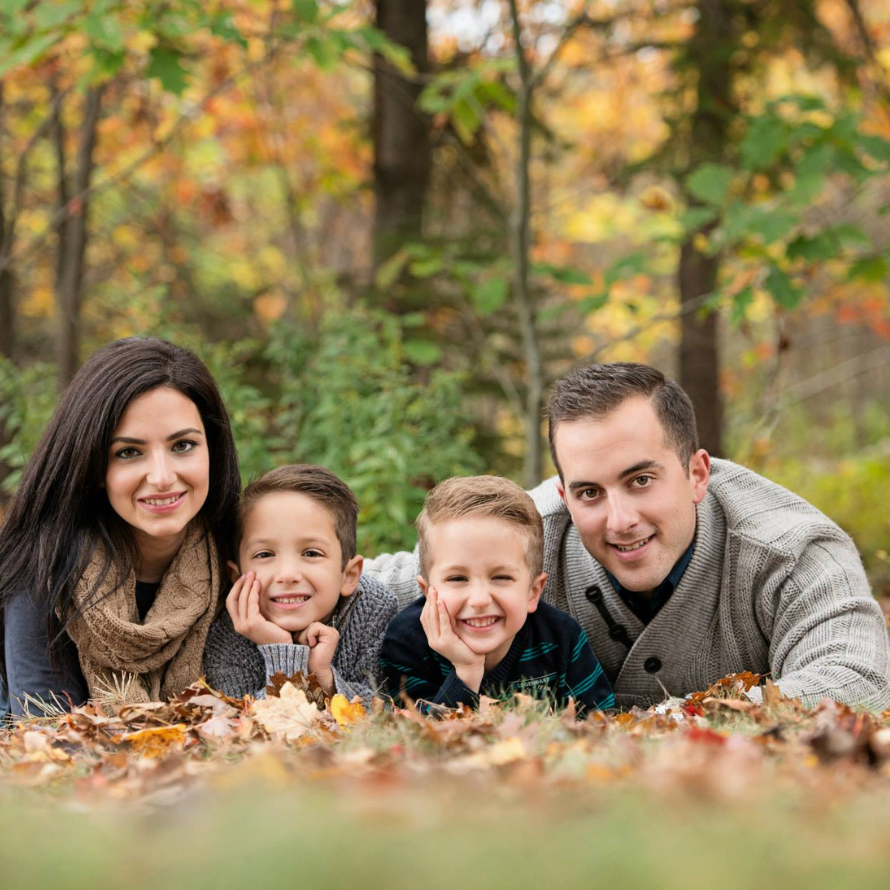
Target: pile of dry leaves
(717, 743)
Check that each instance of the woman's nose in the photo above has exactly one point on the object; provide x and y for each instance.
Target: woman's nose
(161, 474)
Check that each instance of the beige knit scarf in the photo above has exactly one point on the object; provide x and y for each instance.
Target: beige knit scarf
(141, 662)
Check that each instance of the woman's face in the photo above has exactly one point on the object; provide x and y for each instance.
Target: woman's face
(158, 467)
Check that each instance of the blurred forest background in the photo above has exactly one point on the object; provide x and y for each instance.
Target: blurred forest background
(388, 227)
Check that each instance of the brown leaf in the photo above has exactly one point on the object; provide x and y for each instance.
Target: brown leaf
(730, 686)
(772, 695)
(309, 685)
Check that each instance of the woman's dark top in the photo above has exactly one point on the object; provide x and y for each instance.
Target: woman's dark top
(29, 668)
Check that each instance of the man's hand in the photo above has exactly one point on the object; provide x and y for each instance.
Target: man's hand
(322, 641)
(243, 606)
(440, 635)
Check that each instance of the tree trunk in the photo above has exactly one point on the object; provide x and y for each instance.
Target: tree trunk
(7, 308)
(520, 241)
(699, 353)
(73, 233)
(709, 57)
(401, 131)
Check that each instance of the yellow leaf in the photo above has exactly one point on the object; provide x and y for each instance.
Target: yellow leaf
(288, 717)
(507, 751)
(156, 742)
(270, 307)
(345, 712)
(141, 41)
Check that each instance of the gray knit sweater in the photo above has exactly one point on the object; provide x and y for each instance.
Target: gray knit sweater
(236, 666)
(773, 585)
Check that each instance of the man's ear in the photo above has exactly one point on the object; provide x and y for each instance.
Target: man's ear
(351, 574)
(234, 571)
(561, 489)
(537, 588)
(700, 474)
(421, 583)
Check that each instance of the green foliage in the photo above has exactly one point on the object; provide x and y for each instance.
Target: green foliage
(710, 183)
(346, 399)
(29, 31)
(844, 470)
(27, 400)
(796, 145)
(853, 492)
(466, 95)
(349, 401)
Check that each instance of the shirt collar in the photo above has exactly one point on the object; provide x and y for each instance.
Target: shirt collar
(646, 608)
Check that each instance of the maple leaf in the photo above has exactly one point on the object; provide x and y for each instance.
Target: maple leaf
(730, 686)
(309, 684)
(288, 716)
(345, 712)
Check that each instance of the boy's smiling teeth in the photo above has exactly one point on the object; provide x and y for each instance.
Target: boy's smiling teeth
(626, 548)
(291, 600)
(482, 622)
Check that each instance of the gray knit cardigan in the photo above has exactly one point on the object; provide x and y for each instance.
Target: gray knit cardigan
(773, 585)
(236, 666)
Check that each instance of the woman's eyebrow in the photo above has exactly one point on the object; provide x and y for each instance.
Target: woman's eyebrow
(188, 431)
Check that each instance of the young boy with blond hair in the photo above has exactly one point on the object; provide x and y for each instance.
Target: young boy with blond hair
(299, 602)
(481, 627)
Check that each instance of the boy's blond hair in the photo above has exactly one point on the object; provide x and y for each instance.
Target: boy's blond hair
(481, 496)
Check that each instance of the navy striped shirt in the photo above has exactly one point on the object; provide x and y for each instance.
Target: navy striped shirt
(550, 658)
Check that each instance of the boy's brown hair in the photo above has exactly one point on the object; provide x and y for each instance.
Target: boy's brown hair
(481, 496)
(318, 483)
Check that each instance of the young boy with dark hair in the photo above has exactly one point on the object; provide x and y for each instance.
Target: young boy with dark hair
(480, 627)
(299, 602)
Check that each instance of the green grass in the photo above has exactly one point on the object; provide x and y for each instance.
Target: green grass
(360, 833)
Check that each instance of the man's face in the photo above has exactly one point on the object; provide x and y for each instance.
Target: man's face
(628, 493)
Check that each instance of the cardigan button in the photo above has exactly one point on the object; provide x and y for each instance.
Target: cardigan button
(593, 594)
(618, 632)
(652, 665)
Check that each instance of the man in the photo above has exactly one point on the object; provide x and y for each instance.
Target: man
(682, 569)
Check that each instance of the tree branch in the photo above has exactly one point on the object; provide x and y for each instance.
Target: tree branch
(868, 46)
(125, 173)
(521, 244)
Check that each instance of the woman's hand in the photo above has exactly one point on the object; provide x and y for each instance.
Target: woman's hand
(243, 606)
(322, 640)
(440, 635)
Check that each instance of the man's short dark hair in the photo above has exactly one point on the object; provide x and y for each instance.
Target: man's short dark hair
(593, 392)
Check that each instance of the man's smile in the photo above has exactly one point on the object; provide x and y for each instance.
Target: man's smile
(629, 548)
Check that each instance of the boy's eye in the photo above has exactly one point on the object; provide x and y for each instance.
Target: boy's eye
(263, 554)
(312, 553)
(503, 578)
(456, 579)
(184, 446)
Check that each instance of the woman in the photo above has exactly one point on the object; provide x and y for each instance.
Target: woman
(109, 569)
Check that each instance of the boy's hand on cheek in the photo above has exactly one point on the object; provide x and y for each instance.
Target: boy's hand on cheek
(440, 635)
(322, 640)
(243, 606)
